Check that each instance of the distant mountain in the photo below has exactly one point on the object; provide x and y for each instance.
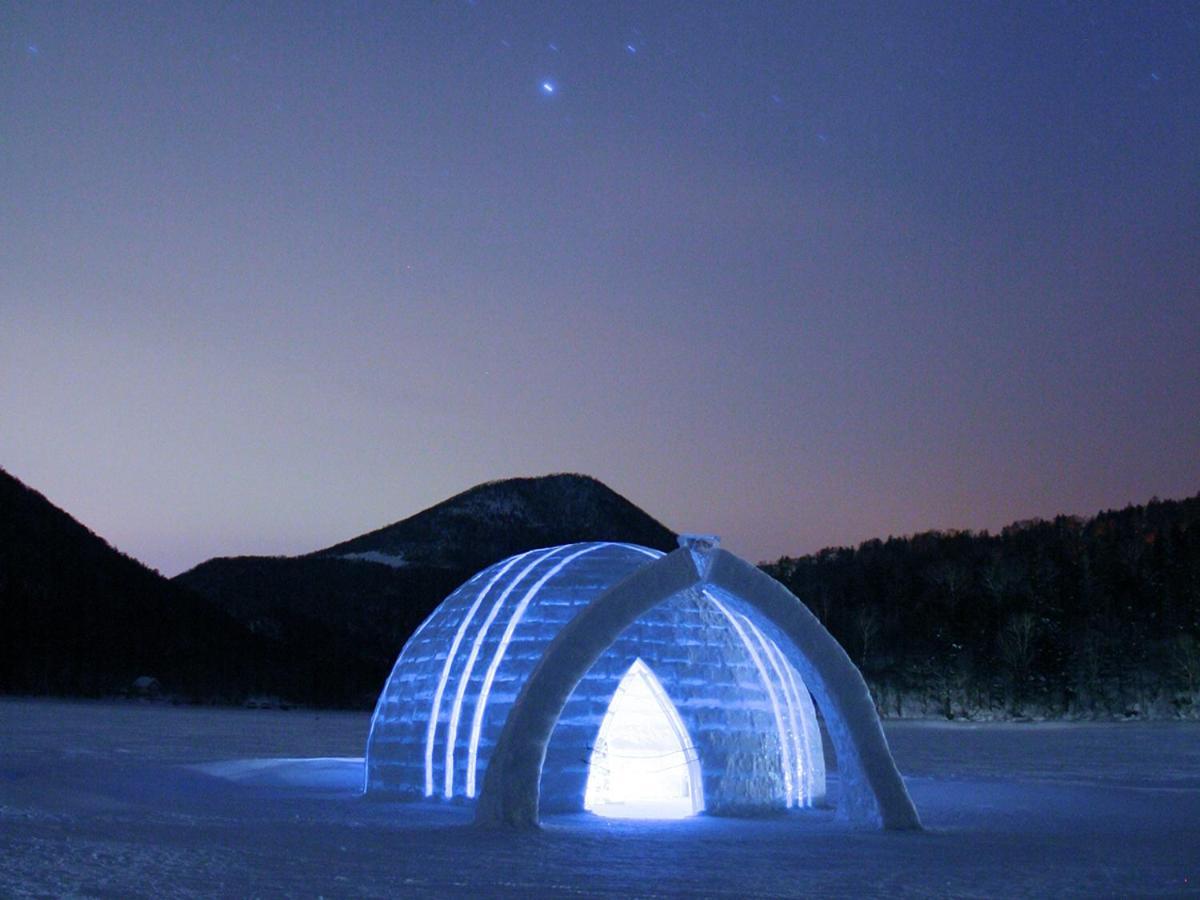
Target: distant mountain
(362, 598)
(1071, 617)
(78, 617)
(495, 520)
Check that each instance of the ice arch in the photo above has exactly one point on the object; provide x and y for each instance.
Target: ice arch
(733, 686)
(873, 792)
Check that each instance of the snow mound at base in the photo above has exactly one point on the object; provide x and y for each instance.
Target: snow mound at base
(328, 773)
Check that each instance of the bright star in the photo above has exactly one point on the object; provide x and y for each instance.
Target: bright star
(549, 88)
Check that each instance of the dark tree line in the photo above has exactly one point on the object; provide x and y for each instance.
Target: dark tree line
(79, 618)
(1070, 617)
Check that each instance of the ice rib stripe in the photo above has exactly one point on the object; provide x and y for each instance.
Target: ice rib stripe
(498, 657)
(386, 695)
(785, 750)
(645, 551)
(772, 653)
(465, 678)
(436, 706)
(808, 721)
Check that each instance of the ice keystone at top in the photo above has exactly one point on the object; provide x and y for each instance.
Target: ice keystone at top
(701, 546)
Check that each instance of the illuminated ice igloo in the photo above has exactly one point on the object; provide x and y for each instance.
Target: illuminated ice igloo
(618, 679)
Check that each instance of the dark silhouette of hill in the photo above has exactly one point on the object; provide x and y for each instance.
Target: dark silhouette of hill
(77, 617)
(1070, 617)
(362, 598)
(495, 520)
(333, 608)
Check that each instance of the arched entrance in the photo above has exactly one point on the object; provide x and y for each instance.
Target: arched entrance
(872, 791)
(643, 765)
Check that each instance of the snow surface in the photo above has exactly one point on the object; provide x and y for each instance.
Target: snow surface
(394, 560)
(132, 800)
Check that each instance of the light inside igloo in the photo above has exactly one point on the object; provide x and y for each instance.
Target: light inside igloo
(643, 765)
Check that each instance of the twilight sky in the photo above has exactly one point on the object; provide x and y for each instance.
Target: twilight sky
(798, 274)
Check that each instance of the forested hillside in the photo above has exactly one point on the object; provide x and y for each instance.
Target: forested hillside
(79, 618)
(354, 605)
(1070, 617)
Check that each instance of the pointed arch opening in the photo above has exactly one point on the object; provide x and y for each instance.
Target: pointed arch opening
(643, 764)
(872, 790)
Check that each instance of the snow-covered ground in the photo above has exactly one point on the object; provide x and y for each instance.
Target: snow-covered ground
(126, 800)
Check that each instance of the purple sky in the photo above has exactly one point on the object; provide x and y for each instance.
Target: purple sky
(801, 275)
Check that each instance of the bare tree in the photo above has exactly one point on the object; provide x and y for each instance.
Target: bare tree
(866, 627)
(1017, 646)
(1185, 656)
(822, 606)
(953, 578)
(998, 579)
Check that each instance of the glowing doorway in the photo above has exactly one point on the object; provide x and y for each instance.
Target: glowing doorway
(644, 765)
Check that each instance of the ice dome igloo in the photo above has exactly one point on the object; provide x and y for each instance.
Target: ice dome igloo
(621, 680)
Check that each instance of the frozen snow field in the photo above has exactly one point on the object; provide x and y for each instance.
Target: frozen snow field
(127, 800)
